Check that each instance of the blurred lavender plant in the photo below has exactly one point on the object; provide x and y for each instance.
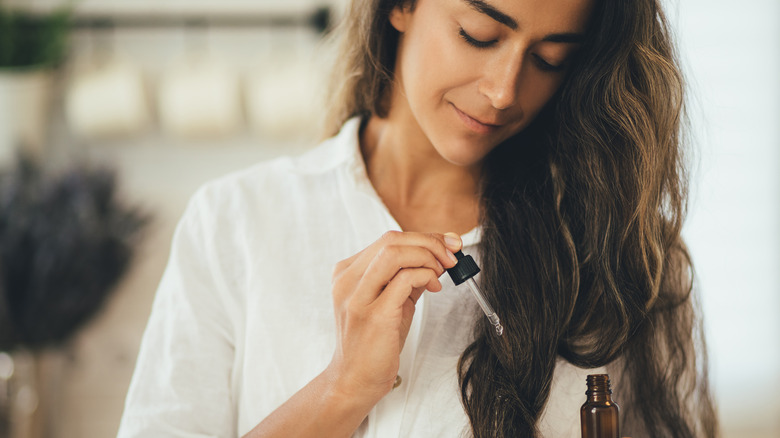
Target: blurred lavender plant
(65, 241)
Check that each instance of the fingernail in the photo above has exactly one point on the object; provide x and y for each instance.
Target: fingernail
(452, 257)
(452, 241)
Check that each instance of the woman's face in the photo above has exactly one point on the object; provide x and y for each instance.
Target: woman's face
(472, 73)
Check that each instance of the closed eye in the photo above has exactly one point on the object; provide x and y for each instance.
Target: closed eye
(475, 42)
(546, 66)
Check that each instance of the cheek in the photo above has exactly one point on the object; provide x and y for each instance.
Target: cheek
(430, 64)
(536, 91)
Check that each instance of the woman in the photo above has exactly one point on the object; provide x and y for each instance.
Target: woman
(542, 137)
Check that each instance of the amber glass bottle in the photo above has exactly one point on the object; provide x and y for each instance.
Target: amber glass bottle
(599, 416)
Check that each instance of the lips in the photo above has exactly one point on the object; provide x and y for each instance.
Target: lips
(477, 125)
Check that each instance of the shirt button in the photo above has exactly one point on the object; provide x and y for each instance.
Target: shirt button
(397, 382)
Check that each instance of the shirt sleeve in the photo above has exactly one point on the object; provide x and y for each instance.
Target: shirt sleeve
(181, 386)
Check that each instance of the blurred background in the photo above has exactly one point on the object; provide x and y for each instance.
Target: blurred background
(127, 106)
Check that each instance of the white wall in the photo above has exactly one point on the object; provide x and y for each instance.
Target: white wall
(732, 54)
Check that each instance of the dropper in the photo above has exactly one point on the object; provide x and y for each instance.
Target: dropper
(464, 272)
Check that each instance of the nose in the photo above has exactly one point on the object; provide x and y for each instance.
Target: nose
(501, 81)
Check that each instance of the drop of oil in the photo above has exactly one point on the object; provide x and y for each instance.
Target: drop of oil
(499, 329)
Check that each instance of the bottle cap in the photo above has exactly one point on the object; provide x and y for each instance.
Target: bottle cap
(465, 269)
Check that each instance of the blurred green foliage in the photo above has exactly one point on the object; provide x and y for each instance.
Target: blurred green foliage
(32, 39)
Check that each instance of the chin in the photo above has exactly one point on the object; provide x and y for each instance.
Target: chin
(463, 154)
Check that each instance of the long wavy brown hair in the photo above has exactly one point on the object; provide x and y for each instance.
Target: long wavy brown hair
(581, 215)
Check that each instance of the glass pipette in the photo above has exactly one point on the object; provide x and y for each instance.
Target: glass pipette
(464, 272)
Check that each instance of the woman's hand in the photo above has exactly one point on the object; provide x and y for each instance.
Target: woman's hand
(374, 296)
(374, 293)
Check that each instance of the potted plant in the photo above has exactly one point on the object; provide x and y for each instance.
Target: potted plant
(66, 239)
(32, 46)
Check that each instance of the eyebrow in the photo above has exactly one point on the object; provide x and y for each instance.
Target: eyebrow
(572, 38)
(489, 10)
(492, 12)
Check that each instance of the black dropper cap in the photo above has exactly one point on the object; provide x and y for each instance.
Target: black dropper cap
(465, 269)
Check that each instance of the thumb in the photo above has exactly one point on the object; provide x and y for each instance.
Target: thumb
(453, 242)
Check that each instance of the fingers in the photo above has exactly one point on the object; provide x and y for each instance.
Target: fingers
(397, 251)
(364, 277)
(433, 242)
(389, 262)
(374, 297)
(408, 283)
(453, 242)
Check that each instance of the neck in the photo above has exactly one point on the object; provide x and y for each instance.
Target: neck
(422, 190)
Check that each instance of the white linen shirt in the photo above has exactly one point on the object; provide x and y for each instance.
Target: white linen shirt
(243, 315)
